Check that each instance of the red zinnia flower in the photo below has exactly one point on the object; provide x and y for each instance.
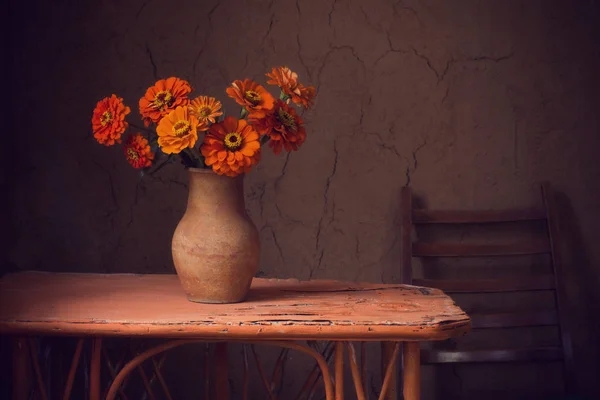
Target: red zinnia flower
(284, 127)
(108, 120)
(137, 151)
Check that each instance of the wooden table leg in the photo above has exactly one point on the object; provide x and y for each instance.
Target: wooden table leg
(339, 370)
(21, 371)
(389, 351)
(95, 369)
(73, 370)
(358, 375)
(412, 371)
(221, 372)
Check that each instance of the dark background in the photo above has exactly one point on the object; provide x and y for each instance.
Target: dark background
(471, 103)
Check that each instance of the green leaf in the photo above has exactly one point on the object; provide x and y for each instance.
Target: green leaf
(283, 96)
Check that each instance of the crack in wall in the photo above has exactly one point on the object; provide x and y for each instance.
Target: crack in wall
(261, 206)
(383, 145)
(283, 171)
(378, 262)
(333, 49)
(396, 6)
(410, 170)
(151, 58)
(267, 226)
(301, 58)
(134, 203)
(389, 51)
(270, 27)
(139, 12)
(110, 185)
(451, 61)
(325, 208)
(429, 64)
(209, 16)
(515, 132)
(330, 15)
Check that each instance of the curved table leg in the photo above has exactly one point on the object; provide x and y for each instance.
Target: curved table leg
(318, 358)
(139, 359)
(356, 373)
(389, 378)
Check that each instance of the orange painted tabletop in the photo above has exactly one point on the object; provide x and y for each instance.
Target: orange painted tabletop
(156, 306)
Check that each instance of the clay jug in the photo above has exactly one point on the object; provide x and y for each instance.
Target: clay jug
(215, 246)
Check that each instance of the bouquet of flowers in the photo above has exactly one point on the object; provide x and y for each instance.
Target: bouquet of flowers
(230, 145)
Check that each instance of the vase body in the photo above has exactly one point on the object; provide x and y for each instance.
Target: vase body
(216, 247)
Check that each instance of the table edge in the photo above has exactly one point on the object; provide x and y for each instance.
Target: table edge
(244, 332)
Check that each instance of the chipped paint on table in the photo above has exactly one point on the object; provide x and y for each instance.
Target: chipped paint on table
(156, 306)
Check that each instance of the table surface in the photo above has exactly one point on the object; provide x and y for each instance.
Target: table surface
(156, 306)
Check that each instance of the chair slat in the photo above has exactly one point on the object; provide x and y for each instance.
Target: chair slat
(540, 282)
(421, 216)
(425, 249)
(513, 320)
(506, 355)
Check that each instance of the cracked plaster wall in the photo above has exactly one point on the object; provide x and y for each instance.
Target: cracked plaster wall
(471, 103)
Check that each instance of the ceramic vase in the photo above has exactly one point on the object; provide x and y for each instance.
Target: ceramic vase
(216, 245)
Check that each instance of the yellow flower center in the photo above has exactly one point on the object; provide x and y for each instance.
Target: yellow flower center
(253, 97)
(233, 141)
(105, 118)
(286, 119)
(181, 127)
(204, 112)
(132, 154)
(163, 99)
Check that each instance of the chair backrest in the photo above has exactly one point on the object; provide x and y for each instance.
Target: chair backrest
(414, 219)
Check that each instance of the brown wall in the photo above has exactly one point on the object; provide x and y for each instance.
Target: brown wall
(471, 103)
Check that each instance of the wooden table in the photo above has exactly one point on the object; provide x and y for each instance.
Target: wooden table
(279, 312)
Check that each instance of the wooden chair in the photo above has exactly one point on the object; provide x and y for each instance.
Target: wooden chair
(414, 219)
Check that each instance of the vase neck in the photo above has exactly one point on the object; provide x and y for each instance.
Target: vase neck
(208, 190)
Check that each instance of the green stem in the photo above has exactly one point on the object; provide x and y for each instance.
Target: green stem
(186, 159)
(197, 159)
(264, 139)
(243, 113)
(161, 165)
(141, 128)
(283, 96)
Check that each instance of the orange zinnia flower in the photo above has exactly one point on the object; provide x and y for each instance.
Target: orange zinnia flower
(108, 120)
(162, 98)
(288, 83)
(284, 78)
(206, 108)
(284, 127)
(137, 151)
(178, 131)
(304, 96)
(232, 147)
(252, 96)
